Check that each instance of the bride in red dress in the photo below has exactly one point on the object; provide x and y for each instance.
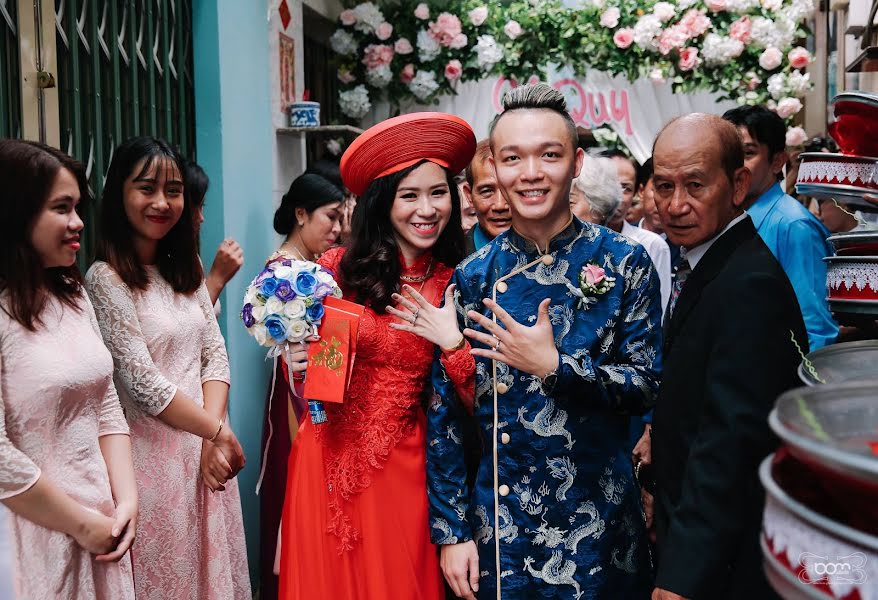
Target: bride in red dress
(355, 523)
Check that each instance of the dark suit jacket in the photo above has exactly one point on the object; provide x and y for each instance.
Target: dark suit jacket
(470, 242)
(727, 356)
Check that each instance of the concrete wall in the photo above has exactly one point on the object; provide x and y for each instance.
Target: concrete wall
(236, 146)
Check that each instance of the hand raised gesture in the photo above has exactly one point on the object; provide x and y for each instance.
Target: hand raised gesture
(528, 349)
(436, 325)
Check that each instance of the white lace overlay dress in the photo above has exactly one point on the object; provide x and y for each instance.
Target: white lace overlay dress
(190, 542)
(56, 399)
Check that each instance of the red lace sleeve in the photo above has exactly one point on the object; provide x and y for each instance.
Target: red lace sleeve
(461, 369)
(331, 259)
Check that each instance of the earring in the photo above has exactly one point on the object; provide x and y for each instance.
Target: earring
(301, 223)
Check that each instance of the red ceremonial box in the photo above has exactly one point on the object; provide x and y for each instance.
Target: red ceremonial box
(854, 172)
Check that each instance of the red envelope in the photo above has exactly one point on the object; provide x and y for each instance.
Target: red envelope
(329, 361)
(336, 308)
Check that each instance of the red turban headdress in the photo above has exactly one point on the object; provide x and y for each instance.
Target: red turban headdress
(400, 142)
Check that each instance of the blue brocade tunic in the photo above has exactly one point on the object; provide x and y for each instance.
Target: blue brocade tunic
(560, 515)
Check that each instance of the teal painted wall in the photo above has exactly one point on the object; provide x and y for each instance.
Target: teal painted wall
(235, 144)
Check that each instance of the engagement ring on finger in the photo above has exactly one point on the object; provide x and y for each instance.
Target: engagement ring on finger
(415, 317)
(497, 346)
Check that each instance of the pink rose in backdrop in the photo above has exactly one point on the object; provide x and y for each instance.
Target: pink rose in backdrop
(788, 107)
(796, 136)
(445, 28)
(770, 59)
(403, 46)
(422, 11)
(610, 18)
(453, 70)
(593, 274)
(740, 29)
(672, 37)
(695, 23)
(459, 41)
(799, 58)
(753, 82)
(377, 55)
(345, 76)
(407, 73)
(623, 37)
(716, 5)
(348, 17)
(688, 59)
(478, 15)
(384, 31)
(512, 29)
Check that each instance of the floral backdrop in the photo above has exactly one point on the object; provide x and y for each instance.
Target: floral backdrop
(744, 49)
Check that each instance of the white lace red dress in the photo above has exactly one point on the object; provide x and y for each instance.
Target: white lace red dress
(355, 523)
(190, 542)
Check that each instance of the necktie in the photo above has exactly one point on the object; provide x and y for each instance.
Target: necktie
(681, 274)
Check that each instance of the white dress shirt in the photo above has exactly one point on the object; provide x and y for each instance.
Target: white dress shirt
(697, 253)
(660, 253)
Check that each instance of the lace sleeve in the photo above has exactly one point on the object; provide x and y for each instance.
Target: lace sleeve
(214, 359)
(111, 419)
(120, 327)
(17, 472)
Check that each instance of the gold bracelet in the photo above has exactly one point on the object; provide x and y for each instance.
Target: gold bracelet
(456, 346)
(220, 428)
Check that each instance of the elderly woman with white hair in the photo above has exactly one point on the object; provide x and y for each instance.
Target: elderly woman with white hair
(595, 197)
(596, 192)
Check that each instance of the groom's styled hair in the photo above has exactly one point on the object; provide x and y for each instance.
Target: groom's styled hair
(537, 96)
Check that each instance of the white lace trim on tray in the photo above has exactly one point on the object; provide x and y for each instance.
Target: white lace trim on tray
(854, 567)
(859, 275)
(842, 172)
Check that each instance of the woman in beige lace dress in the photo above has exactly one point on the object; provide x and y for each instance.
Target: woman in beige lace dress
(66, 475)
(172, 373)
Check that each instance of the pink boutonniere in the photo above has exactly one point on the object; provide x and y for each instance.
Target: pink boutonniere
(594, 281)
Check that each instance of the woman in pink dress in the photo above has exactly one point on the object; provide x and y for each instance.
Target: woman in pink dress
(66, 473)
(172, 373)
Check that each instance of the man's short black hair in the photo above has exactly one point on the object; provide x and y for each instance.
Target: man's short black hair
(616, 153)
(644, 173)
(764, 126)
(536, 96)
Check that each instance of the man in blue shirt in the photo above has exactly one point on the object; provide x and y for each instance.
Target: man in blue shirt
(795, 236)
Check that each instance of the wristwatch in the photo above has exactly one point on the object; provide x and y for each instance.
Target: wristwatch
(549, 381)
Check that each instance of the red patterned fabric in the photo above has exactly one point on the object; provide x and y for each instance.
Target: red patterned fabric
(355, 519)
(383, 401)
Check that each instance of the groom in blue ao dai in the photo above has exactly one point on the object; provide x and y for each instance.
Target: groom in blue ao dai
(560, 366)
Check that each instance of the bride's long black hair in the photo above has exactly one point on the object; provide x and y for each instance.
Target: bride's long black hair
(370, 268)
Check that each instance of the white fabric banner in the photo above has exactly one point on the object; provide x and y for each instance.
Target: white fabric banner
(635, 111)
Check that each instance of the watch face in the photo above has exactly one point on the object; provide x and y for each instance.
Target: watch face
(550, 380)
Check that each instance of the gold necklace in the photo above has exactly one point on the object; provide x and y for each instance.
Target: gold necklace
(419, 278)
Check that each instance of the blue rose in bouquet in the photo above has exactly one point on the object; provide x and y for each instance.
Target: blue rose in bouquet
(284, 304)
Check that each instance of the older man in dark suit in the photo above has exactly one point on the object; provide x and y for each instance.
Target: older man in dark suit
(728, 354)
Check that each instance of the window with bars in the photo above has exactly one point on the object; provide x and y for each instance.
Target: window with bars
(10, 71)
(124, 69)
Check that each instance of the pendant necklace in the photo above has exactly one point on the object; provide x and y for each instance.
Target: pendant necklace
(422, 279)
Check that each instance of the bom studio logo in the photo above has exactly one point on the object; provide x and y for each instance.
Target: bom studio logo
(823, 569)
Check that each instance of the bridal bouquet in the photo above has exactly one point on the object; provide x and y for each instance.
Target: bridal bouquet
(284, 305)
